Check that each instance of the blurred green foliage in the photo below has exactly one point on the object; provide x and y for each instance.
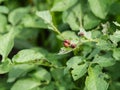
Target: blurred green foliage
(33, 50)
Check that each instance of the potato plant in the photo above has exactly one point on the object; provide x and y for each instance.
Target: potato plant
(59, 44)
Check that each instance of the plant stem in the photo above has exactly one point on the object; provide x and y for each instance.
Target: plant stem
(56, 30)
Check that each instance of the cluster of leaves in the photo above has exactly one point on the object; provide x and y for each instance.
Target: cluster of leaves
(33, 56)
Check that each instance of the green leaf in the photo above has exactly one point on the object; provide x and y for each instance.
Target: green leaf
(3, 23)
(113, 71)
(45, 15)
(4, 9)
(63, 5)
(42, 75)
(53, 59)
(27, 39)
(95, 80)
(73, 17)
(115, 85)
(115, 38)
(96, 34)
(27, 55)
(65, 50)
(78, 69)
(64, 79)
(69, 35)
(33, 22)
(16, 15)
(86, 50)
(25, 84)
(1, 1)
(116, 53)
(104, 61)
(100, 8)
(19, 71)
(104, 43)
(90, 21)
(3, 84)
(74, 61)
(5, 66)
(6, 43)
(114, 9)
(50, 86)
(47, 18)
(71, 20)
(94, 53)
(117, 24)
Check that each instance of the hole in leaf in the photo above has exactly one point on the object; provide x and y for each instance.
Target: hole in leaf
(0, 57)
(75, 75)
(104, 70)
(118, 45)
(71, 68)
(102, 52)
(87, 55)
(93, 65)
(91, 58)
(80, 63)
(43, 81)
